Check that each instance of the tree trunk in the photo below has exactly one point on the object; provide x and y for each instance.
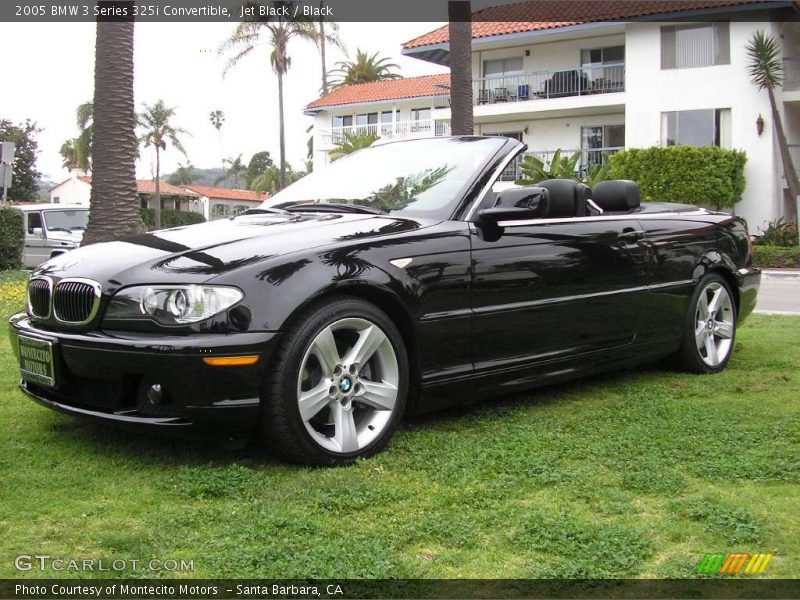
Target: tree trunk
(157, 219)
(322, 53)
(113, 202)
(281, 136)
(789, 171)
(460, 29)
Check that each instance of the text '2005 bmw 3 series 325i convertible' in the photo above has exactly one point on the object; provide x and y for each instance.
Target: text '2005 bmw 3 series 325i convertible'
(399, 278)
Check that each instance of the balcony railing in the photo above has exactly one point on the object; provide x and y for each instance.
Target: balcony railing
(556, 83)
(398, 130)
(589, 157)
(791, 73)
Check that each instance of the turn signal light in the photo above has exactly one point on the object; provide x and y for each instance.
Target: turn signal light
(231, 361)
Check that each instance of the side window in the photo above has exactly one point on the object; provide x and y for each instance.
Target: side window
(34, 221)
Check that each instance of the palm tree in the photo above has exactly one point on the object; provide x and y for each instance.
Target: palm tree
(364, 69)
(460, 30)
(235, 167)
(84, 115)
(352, 141)
(183, 175)
(766, 72)
(278, 31)
(217, 118)
(323, 38)
(158, 131)
(68, 155)
(113, 202)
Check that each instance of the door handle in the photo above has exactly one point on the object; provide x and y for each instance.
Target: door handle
(631, 234)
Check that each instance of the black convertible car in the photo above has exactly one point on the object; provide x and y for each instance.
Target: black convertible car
(398, 278)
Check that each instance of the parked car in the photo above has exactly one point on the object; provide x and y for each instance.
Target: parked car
(396, 279)
(50, 230)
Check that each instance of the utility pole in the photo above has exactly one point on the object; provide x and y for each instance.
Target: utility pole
(6, 166)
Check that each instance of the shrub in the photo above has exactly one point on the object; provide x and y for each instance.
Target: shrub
(170, 218)
(775, 257)
(703, 175)
(11, 238)
(777, 233)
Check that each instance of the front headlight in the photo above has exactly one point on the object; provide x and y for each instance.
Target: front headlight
(171, 304)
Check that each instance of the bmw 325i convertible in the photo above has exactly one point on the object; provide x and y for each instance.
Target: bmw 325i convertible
(404, 277)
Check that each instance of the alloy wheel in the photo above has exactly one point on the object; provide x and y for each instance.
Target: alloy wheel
(714, 324)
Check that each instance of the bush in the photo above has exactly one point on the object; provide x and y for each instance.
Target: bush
(11, 238)
(775, 257)
(170, 218)
(704, 175)
(776, 233)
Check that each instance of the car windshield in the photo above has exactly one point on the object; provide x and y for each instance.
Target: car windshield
(414, 178)
(66, 220)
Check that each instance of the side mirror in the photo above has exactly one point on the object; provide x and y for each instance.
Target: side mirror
(36, 231)
(516, 204)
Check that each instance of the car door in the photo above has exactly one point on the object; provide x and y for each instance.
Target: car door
(35, 251)
(550, 288)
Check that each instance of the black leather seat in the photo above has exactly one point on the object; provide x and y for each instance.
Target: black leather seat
(617, 195)
(567, 197)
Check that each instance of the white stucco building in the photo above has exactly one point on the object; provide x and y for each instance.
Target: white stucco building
(612, 75)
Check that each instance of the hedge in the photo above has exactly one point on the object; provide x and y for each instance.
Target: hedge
(170, 218)
(776, 257)
(11, 238)
(693, 175)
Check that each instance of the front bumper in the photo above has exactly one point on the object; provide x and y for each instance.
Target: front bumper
(748, 280)
(106, 376)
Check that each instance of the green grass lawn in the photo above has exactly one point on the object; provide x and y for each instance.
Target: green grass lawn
(632, 474)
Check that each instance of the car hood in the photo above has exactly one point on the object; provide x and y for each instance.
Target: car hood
(74, 237)
(199, 252)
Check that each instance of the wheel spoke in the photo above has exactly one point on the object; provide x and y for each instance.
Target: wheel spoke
(345, 433)
(711, 351)
(314, 400)
(700, 334)
(380, 396)
(716, 298)
(702, 307)
(369, 340)
(325, 350)
(724, 330)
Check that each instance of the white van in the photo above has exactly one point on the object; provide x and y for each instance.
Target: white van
(51, 229)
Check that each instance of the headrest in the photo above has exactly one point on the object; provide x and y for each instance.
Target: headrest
(567, 197)
(616, 195)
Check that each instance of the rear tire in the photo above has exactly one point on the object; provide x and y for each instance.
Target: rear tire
(710, 327)
(337, 388)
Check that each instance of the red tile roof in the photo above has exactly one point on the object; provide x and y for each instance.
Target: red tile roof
(552, 14)
(410, 87)
(148, 186)
(228, 194)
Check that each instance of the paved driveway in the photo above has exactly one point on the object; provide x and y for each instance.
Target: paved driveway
(780, 292)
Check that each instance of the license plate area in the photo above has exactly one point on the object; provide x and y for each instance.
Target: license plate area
(36, 363)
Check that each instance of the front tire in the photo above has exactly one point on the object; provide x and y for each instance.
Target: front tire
(710, 328)
(337, 389)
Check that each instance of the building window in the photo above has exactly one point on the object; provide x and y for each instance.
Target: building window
(420, 119)
(56, 199)
(143, 201)
(502, 67)
(697, 45)
(220, 211)
(597, 142)
(501, 77)
(367, 123)
(604, 68)
(240, 209)
(706, 127)
(342, 121)
(386, 122)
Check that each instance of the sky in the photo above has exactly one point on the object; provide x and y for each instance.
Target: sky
(50, 67)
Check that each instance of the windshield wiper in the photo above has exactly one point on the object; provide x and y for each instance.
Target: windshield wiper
(335, 207)
(261, 211)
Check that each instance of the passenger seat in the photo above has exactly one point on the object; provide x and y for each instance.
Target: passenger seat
(616, 196)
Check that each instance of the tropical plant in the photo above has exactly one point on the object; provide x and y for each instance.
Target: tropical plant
(352, 141)
(597, 173)
(765, 68)
(183, 175)
(84, 116)
(269, 181)
(259, 162)
(158, 131)
(778, 232)
(69, 156)
(363, 69)
(114, 205)
(460, 32)
(233, 167)
(217, 119)
(533, 169)
(277, 31)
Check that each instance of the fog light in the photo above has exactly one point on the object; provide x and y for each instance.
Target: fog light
(154, 394)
